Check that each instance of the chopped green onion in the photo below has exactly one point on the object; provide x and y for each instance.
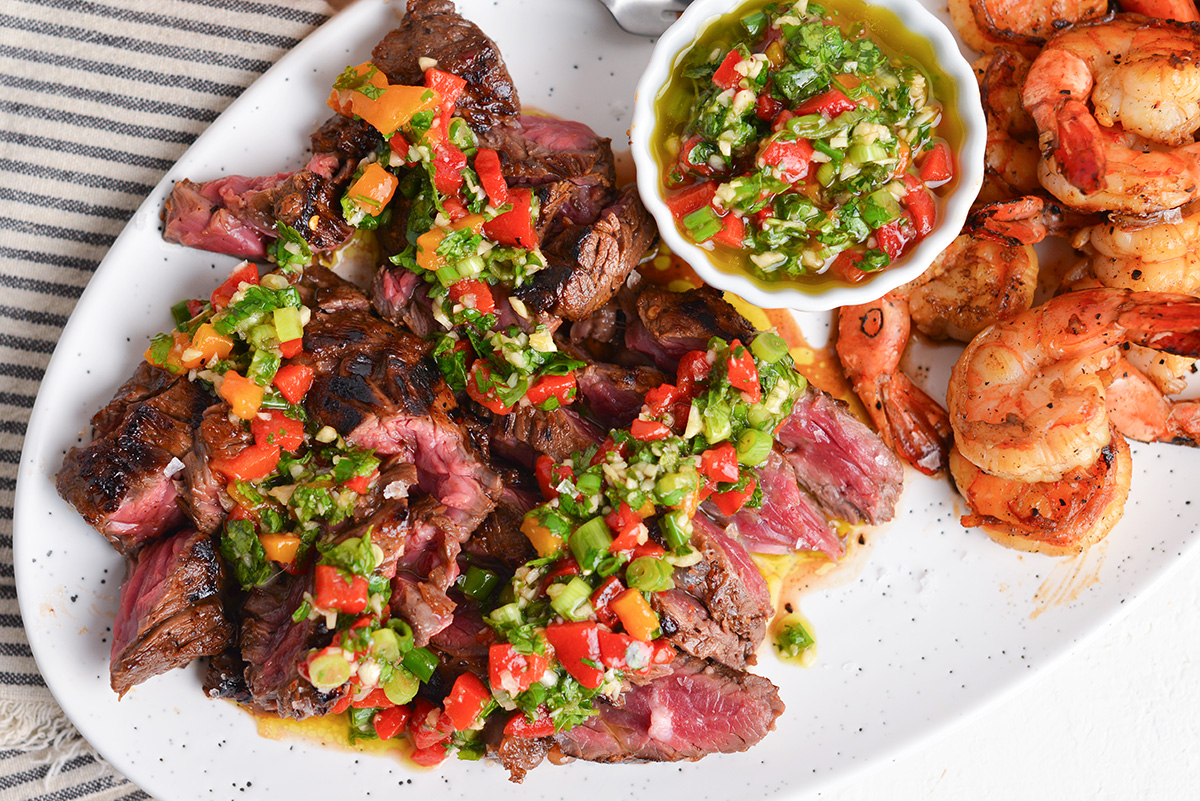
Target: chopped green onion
(826, 173)
(672, 488)
(754, 24)
(328, 670)
(650, 574)
(403, 631)
(718, 422)
(507, 615)
(385, 645)
(793, 639)
(263, 366)
(287, 324)
(703, 224)
(866, 154)
(447, 275)
(589, 484)
(478, 583)
(180, 313)
(262, 336)
(753, 447)
(769, 347)
(590, 543)
(420, 661)
(571, 597)
(676, 528)
(401, 687)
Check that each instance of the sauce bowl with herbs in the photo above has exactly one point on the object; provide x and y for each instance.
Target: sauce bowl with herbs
(808, 155)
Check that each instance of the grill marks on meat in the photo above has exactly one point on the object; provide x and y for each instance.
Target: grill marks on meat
(615, 394)
(499, 537)
(696, 710)
(788, 520)
(665, 325)
(727, 606)
(839, 460)
(272, 646)
(345, 137)
(433, 29)
(527, 431)
(170, 611)
(310, 203)
(120, 483)
(588, 263)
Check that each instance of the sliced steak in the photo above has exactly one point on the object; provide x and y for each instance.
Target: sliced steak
(519, 755)
(588, 263)
(311, 204)
(402, 297)
(122, 483)
(789, 519)
(226, 677)
(698, 709)
(839, 460)
(499, 538)
(467, 638)
(377, 387)
(665, 325)
(384, 514)
(203, 496)
(428, 568)
(324, 291)
(526, 431)
(730, 589)
(615, 394)
(273, 645)
(348, 138)
(171, 610)
(434, 29)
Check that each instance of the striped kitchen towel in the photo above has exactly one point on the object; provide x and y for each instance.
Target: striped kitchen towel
(97, 101)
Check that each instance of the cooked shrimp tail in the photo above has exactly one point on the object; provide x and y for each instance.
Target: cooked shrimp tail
(1025, 220)
(917, 426)
(1140, 411)
(1080, 147)
(1178, 10)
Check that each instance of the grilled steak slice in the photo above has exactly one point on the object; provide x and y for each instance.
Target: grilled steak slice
(324, 291)
(401, 296)
(428, 568)
(840, 461)
(122, 482)
(527, 431)
(345, 137)
(203, 496)
(499, 537)
(433, 29)
(309, 202)
(698, 709)
(273, 645)
(171, 610)
(226, 677)
(729, 588)
(615, 394)
(665, 325)
(519, 755)
(588, 263)
(788, 520)
(377, 387)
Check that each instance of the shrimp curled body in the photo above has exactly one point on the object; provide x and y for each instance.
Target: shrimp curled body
(1027, 397)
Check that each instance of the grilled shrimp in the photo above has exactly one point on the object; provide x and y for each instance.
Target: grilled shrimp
(1143, 255)
(1178, 10)
(1057, 518)
(1026, 398)
(1011, 156)
(1135, 152)
(1140, 410)
(1026, 220)
(986, 25)
(972, 284)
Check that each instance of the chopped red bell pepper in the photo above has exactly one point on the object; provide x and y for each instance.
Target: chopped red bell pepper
(792, 159)
(767, 108)
(727, 76)
(648, 430)
(482, 390)
(937, 164)
(291, 348)
(473, 293)
(733, 231)
(194, 307)
(250, 464)
(376, 699)
(520, 726)
(603, 596)
(448, 86)
(293, 381)
(895, 237)
(333, 591)
(448, 164)
(731, 501)
(455, 209)
(607, 447)
(623, 652)
(466, 700)
(845, 267)
(743, 373)
(693, 198)
(491, 177)
(624, 522)
(781, 120)
(701, 167)
(567, 566)
(648, 548)
(242, 274)
(549, 475)
(390, 722)
(431, 756)
(692, 372)
(512, 671)
(660, 399)
(428, 726)
(276, 428)
(361, 484)
(514, 228)
(831, 104)
(720, 463)
(919, 202)
(561, 388)
(577, 647)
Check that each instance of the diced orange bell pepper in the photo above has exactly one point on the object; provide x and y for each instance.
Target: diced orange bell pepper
(374, 189)
(427, 244)
(395, 107)
(341, 100)
(174, 358)
(243, 395)
(636, 615)
(280, 548)
(212, 346)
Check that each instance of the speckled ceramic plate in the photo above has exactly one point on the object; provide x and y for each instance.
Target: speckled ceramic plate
(938, 623)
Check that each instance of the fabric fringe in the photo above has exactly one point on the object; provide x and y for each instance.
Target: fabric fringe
(40, 729)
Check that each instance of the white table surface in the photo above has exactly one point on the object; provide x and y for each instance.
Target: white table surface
(1118, 719)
